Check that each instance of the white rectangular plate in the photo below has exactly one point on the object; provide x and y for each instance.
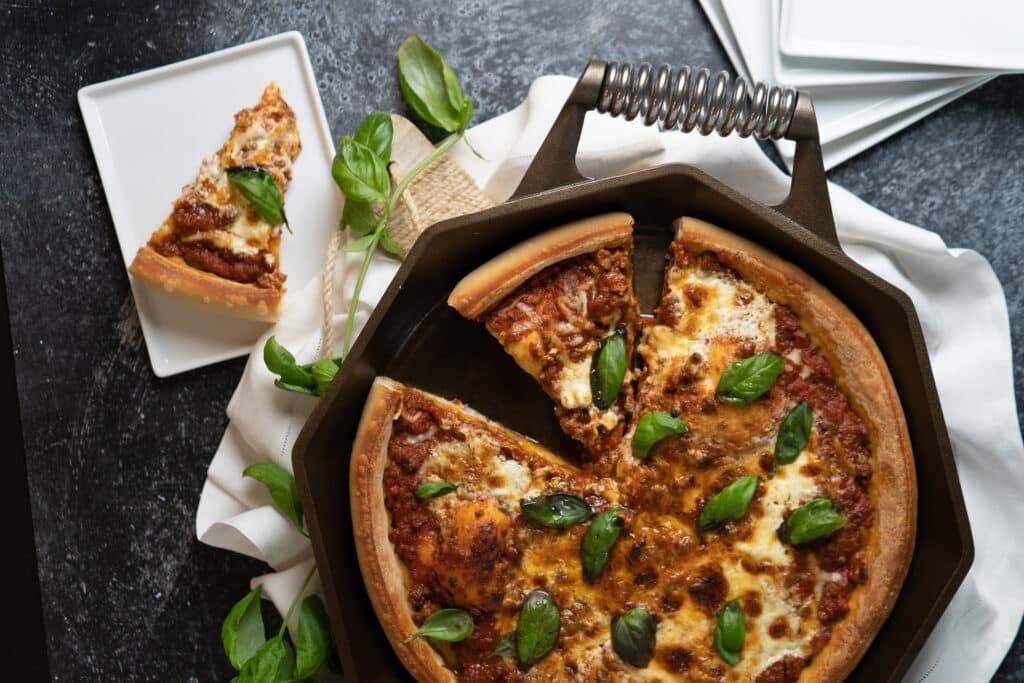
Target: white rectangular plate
(984, 34)
(150, 131)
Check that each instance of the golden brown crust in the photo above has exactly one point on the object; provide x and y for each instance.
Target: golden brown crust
(233, 298)
(493, 281)
(862, 374)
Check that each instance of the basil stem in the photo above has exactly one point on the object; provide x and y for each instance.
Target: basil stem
(557, 509)
(608, 369)
(652, 428)
(750, 378)
(817, 519)
(433, 489)
(728, 504)
(633, 636)
(260, 189)
(598, 541)
(730, 632)
(506, 647)
(537, 628)
(794, 433)
(449, 624)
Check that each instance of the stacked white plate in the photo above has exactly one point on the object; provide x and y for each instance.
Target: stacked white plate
(872, 67)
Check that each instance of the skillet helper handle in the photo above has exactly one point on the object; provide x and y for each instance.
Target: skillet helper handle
(691, 101)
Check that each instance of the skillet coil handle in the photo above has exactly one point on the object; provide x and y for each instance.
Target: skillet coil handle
(691, 100)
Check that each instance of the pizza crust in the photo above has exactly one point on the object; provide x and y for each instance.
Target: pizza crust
(493, 281)
(175, 276)
(863, 376)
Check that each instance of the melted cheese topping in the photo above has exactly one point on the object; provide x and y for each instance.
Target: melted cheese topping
(780, 495)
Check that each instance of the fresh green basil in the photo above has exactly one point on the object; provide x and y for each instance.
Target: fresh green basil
(274, 661)
(537, 628)
(633, 636)
(280, 361)
(750, 378)
(728, 504)
(449, 624)
(794, 433)
(260, 189)
(433, 489)
(323, 372)
(608, 368)
(391, 246)
(730, 632)
(294, 388)
(557, 509)
(361, 244)
(375, 132)
(598, 542)
(242, 631)
(430, 87)
(312, 638)
(652, 428)
(281, 485)
(506, 647)
(359, 217)
(817, 519)
(360, 174)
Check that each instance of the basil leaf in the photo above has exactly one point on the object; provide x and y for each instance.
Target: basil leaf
(323, 372)
(295, 388)
(260, 189)
(273, 662)
(506, 647)
(430, 87)
(633, 636)
(360, 244)
(730, 632)
(608, 368)
(312, 638)
(281, 485)
(537, 628)
(433, 489)
(391, 246)
(598, 542)
(358, 217)
(280, 361)
(817, 519)
(359, 173)
(449, 624)
(652, 428)
(794, 433)
(242, 632)
(750, 378)
(376, 132)
(728, 504)
(557, 509)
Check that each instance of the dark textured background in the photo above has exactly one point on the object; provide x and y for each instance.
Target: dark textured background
(116, 457)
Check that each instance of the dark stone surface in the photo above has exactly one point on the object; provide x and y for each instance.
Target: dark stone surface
(116, 457)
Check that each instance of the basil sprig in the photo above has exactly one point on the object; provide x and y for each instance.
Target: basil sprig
(652, 428)
(506, 646)
(260, 189)
(817, 519)
(794, 432)
(557, 509)
(598, 541)
(608, 369)
(283, 492)
(728, 504)
(242, 632)
(537, 628)
(433, 489)
(311, 379)
(748, 379)
(730, 632)
(430, 87)
(633, 636)
(450, 624)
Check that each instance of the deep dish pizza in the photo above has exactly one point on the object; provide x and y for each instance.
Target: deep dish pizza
(748, 515)
(219, 246)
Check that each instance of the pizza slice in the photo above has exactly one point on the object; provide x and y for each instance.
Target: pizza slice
(562, 306)
(217, 246)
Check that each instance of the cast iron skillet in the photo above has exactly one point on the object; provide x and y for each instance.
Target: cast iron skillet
(415, 337)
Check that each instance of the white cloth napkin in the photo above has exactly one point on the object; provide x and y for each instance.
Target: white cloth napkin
(959, 300)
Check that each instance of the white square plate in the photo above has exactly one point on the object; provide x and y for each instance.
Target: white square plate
(150, 131)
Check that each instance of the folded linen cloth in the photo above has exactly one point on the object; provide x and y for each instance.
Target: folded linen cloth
(958, 298)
